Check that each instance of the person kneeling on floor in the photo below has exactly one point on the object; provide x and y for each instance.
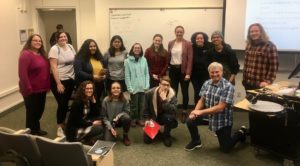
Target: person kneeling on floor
(216, 100)
(160, 106)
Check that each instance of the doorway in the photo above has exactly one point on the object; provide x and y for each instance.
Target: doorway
(49, 18)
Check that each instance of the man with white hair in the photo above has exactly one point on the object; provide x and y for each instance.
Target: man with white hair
(216, 100)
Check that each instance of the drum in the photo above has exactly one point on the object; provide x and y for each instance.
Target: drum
(269, 108)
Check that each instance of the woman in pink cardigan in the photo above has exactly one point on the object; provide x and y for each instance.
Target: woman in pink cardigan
(181, 62)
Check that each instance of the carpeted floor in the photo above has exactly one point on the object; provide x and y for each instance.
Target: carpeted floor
(140, 154)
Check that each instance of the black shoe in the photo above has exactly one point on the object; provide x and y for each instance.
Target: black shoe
(246, 130)
(193, 145)
(167, 141)
(39, 132)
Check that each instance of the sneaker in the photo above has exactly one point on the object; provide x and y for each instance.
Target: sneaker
(167, 141)
(60, 132)
(126, 140)
(246, 130)
(39, 132)
(193, 145)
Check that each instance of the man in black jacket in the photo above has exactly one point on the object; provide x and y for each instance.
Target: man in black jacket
(160, 106)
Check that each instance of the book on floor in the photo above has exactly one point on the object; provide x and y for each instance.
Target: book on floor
(101, 148)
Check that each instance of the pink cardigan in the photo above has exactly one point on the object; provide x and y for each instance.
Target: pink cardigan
(187, 56)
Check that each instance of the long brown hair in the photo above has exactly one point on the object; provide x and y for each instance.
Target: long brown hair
(264, 36)
(27, 45)
(121, 97)
(161, 49)
(80, 93)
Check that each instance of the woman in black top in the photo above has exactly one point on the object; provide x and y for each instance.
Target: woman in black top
(84, 123)
(222, 53)
(200, 62)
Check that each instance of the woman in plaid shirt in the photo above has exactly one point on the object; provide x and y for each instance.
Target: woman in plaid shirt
(261, 59)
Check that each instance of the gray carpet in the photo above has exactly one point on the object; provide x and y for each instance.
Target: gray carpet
(156, 153)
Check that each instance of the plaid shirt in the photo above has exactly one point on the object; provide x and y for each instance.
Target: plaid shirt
(261, 64)
(213, 94)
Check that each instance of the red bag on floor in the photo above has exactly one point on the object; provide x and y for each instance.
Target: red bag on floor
(151, 128)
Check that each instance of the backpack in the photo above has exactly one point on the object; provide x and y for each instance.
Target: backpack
(13, 158)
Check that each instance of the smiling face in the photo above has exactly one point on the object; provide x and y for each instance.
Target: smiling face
(92, 48)
(36, 43)
(157, 41)
(137, 49)
(255, 33)
(215, 74)
(115, 89)
(216, 40)
(62, 39)
(199, 40)
(89, 90)
(179, 32)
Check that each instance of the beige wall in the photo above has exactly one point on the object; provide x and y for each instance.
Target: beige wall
(12, 20)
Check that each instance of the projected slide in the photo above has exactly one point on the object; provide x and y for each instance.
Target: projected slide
(281, 19)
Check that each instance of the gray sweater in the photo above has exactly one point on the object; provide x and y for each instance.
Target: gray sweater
(111, 110)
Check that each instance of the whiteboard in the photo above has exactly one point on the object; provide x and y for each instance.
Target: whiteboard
(140, 25)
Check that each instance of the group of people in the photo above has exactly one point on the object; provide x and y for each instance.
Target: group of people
(152, 79)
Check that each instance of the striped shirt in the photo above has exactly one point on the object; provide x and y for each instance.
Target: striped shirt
(213, 94)
(261, 64)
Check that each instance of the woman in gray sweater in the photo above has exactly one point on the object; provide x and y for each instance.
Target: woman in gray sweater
(115, 113)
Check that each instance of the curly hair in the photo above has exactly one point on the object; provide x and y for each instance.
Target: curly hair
(264, 36)
(27, 45)
(80, 93)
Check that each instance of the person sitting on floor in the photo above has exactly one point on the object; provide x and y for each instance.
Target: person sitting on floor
(216, 100)
(115, 113)
(84, 123)
(160, 106)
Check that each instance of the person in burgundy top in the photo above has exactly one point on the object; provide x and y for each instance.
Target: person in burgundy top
(181, 64)
(34, 83)
(158, 60)
(261, 59)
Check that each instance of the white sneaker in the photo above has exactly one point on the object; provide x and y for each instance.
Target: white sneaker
(60, 132)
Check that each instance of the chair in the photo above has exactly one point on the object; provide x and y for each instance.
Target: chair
(62, 153)
(23, 144)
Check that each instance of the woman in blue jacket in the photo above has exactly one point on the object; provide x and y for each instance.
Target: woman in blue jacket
(89, 65)
(137, 82)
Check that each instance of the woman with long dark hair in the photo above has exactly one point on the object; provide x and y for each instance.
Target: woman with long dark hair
(114, 59)
(34, 83)
(84, 123)
(158, 60)
(89, 66)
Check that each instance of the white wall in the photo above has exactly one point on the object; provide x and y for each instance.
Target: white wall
(12, 20)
